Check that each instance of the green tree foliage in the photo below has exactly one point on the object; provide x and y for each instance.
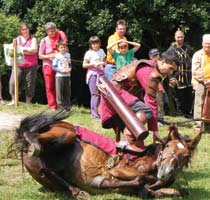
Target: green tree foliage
(9, 30)
(151, 22)
(11, 7)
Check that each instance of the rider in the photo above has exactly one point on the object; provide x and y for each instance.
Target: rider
(149, 74)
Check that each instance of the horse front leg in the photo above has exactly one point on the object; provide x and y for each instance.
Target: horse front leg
(160, 184)
(165, 192)
(114, 183)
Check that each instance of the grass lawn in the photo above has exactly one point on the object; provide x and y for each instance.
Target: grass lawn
(18, 185)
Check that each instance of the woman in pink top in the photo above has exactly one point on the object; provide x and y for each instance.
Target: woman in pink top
(47, 51)
(26, 71)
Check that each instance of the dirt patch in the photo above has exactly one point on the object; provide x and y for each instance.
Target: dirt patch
(9, 121)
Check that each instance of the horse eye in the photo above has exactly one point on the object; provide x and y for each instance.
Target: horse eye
(167, 146)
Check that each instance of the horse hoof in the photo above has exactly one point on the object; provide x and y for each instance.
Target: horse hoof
(83, 196)
(34, 150)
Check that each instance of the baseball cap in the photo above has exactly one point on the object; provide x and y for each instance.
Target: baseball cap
(153, 52)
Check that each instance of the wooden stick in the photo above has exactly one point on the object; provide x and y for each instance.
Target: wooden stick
(15, 71)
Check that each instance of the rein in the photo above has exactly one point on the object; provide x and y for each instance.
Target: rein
(179, 122)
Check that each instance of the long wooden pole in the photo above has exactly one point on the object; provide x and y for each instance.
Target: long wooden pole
(15, 72)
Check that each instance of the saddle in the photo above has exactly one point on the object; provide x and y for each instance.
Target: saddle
(206, 110)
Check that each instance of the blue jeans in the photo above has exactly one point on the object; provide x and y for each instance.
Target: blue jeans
(109, 70)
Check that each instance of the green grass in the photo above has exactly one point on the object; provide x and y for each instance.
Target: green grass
(18, 185)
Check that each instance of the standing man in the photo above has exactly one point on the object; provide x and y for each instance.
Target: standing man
(119, 34)
(181, 79)
(200, 77)
(149, 74)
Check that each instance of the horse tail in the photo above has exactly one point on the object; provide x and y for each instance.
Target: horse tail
(39, 123)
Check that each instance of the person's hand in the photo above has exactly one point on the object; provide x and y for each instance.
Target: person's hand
(206, 81)
(66, 70)
(51, 56)
(98, 64)
(157, 137)
(172, 82)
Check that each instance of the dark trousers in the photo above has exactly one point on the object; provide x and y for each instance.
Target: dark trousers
(63, 92)
(27, 76)
(184, 100)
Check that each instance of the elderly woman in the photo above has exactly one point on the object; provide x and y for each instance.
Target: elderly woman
(47, 51)
(27, 70)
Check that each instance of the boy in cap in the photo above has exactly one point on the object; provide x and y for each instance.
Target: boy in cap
(154, 54)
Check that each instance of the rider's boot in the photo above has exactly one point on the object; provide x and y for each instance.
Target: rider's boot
(129, 142)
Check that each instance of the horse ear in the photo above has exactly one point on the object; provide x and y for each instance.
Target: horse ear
(194, 142)
(173, 133)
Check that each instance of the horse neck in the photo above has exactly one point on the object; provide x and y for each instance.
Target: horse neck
(152, 154)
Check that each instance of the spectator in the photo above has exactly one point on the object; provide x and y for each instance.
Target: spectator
(154, 54)
(28, 70)
(123, 56)
(47, 51)
(94, 62)
(1, 98)
(200, 76)
(62, 66)
(181, 79)
(149, 77)
(119, 34)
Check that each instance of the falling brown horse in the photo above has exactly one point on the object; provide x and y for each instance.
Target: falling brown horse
(64, 159)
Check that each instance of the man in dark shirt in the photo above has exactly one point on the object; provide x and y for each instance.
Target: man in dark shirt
(181, 78)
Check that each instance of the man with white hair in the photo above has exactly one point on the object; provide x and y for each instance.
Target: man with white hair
(200, 77)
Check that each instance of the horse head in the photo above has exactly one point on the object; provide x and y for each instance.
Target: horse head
(176, 154)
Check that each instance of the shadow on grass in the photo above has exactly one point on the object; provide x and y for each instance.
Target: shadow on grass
(194, 184)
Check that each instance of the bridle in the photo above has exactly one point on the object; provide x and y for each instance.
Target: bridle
(162, 158)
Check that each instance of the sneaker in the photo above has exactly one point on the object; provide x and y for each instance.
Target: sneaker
(12, 103)
(95, 117)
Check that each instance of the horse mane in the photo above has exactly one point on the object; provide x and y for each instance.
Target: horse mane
(40, 122)
(34, 124)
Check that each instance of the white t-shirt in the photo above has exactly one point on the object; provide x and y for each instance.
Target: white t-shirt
(94, 57)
